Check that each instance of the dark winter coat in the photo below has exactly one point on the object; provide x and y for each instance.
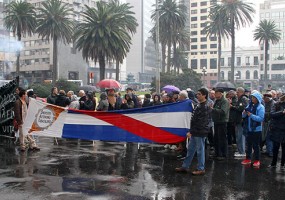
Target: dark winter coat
(146, 103)
(221, 111)
(277, 123)
(238, 107)
(62, 100)
(51, 99)
(200, 122)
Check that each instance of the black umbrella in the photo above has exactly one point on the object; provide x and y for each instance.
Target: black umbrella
(89, 88)
(226, 86)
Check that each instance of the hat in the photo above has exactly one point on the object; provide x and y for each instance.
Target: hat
(219, 90)
(267, 94)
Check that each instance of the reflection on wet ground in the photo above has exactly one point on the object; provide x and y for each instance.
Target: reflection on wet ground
(106, 170)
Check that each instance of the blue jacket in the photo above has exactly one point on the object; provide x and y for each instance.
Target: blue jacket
(253, 123)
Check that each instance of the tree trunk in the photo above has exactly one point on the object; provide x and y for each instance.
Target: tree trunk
(168, 55)
(18, 53)
(233, 52)
(163, 56)
(266, 46)
(54, 61)
(174, 63)
(102, 66)
(117, 69)
(219, 56)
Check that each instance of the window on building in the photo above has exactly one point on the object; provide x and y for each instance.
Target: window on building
(194, 64)
(194, 25)
(255, 62)
(203, 63)
(203, 18)
(255, 74)
(229, 61)
(247, 74)
(213, 52)
(261, 57)
(194, 39)
(203, 3)
(213, 46)
(229, 75)
(222, 61)
(194, 53)
(213, 63)
(27, 53)
(203, 25)
(203, 39)
(193, 33)
(193, 4)
(238, 61)
(203, 32)
(203, 10)
(193, 19)
(222, 75)
(238, 75)
(193, 46)
(193, 11)
(203, 52)
(247, 60)
(261, 67)
(203, 46)
(213, 38)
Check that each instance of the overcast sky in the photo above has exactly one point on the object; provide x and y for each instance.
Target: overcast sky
(244, 36)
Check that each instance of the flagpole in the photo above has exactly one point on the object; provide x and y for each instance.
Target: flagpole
(157, 49)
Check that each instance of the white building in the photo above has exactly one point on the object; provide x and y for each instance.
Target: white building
(274, 10)
(246, 66)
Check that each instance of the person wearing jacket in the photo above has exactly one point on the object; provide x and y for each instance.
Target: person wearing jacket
(89, 103)
(277, 131)
(197, 134)
(53, 95)
(20, 111)
(237, 109)
(103, 103)
(220, 116)
(62, 100)
(252, 126)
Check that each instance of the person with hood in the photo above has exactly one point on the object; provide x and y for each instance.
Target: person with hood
(253, 116)
(277, 131)
(103, 103)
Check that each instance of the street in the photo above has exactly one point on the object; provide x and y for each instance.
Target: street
(76, 169)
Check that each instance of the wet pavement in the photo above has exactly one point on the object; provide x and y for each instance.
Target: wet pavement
(107, 170)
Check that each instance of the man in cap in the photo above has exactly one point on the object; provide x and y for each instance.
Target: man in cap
(220, 116)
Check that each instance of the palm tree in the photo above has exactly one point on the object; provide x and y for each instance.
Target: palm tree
(239, 14)
(104, 33)
(20, 19)
(55, 24)
(267, 32)
(218, 27)
(129, 23)
(171, 17)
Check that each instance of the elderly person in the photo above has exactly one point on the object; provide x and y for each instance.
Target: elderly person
(183, 95)
(103, 103)
(74, 104)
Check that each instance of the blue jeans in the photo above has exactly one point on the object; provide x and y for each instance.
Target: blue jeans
(195, 144)
(240, 139)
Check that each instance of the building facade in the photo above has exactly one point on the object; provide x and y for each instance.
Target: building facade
(247, 73)
(274, 10)
(203, 54)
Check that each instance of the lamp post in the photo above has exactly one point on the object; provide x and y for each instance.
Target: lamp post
(204, 70)
(157, 48)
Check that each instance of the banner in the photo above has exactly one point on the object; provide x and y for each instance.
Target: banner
(166, 123)
(7, 101)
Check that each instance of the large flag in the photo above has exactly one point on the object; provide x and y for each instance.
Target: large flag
(167, 123)
(7, 101)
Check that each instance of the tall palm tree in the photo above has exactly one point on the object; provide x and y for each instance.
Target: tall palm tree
(267, 32)
(20, 19)
(239, 14)
(55, 24)
(219, 27)
(104, 33)
(129, 24)
(171, 17)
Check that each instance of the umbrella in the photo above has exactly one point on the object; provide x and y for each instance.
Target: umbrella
(226, 86)
(170, 88)
(108, 83)
(89, 88)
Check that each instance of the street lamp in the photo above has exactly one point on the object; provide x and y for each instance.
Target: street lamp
(204, 70)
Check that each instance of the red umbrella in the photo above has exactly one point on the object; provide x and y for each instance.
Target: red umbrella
(108, 83)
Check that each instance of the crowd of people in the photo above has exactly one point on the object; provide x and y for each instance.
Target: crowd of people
(244, 120)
